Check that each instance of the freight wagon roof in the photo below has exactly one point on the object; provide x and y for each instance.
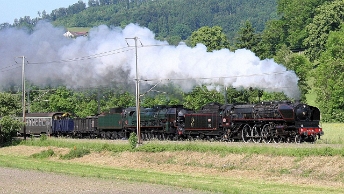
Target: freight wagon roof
(51, 114)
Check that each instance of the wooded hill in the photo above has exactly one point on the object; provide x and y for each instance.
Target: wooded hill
(166, 18)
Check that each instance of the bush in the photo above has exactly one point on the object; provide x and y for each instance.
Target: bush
(8, 128)
(133, 140)
(44, 154)
(76, 153)
(43, 137)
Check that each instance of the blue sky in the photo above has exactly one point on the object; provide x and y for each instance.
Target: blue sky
(12, 9)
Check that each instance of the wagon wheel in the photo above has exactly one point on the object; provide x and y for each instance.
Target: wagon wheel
(246, 133)
(266, 138)
(149, 136)
(256, 136)
(163, 137)
(143, 136)
(189, 138)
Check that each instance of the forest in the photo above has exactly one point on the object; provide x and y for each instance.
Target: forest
(306, 37)
(168, 19)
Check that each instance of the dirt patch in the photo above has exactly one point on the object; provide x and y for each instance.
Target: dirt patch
(22, 150)
(22, 181)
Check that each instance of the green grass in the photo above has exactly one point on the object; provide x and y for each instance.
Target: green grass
(185, 180)
(75, 153)
(43, 154)
(333, 133)
(70, 143)
(205, 183)
(218, 148)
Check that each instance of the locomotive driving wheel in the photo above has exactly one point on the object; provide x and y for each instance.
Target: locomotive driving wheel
(266, 138)
(256, 136)
(298, 138)
(277, 139)
(246, 133)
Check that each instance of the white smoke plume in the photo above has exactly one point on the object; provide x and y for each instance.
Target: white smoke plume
(104, 57)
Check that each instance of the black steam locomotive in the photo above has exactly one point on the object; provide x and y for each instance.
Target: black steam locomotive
(264, 122)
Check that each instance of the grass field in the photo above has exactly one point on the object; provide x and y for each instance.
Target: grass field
(208, 166)
(333, 133)
(245, 173)
(210, 183)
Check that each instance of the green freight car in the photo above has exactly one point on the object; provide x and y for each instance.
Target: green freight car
(159, 122)
(110, 124)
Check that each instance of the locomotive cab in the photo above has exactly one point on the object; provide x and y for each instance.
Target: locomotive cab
(307, 121)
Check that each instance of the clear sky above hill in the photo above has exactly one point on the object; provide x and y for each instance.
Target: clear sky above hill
(12, 9)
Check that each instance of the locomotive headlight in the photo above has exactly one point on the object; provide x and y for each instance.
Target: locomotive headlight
(302, 125)
(224, 120)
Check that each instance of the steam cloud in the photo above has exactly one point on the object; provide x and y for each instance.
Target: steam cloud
(104, 57)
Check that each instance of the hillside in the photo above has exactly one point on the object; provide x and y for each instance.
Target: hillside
(176, 18)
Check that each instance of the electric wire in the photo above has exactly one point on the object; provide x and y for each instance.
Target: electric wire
(98, 55)
(9, 68)
(205, 78)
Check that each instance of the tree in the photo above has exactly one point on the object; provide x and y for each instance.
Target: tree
(62, 101)
(93, 3)
(328, 18)
(272, 39)
(174, 40)
(329, 80)
(212, 37)
(247, 38)
(200, 96)
(8, 128)
(76, 7)
(251, 95)
(4, 25)
(9, 106)
(181, 30)
(295, 15)
(45, 15)
(121, 100)
(298, 63)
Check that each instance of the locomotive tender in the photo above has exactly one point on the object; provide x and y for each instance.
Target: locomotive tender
(279, 121)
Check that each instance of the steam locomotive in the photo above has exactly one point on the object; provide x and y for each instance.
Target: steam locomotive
(280, 121)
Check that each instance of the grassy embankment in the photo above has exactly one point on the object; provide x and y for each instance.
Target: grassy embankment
(331, 145)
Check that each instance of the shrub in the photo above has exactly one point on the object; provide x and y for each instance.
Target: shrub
(8, 128)
(76, 153)
(133, 140)
(44, 154)
(43, 137)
